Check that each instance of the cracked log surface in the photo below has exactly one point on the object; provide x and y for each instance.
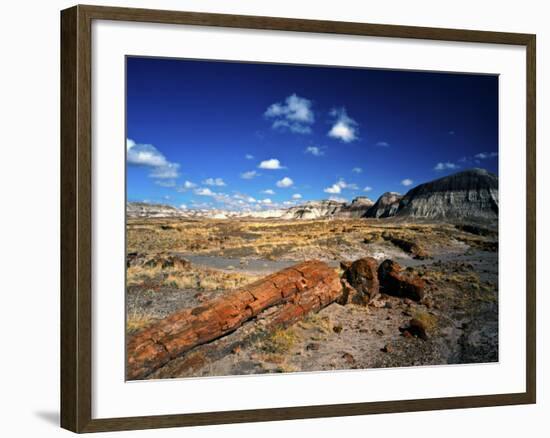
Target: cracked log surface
(300, 289)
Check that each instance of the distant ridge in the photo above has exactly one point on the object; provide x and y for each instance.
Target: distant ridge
(385, 206)
(145, 209)
(471, 194)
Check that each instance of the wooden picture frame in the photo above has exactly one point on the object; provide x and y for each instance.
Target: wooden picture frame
(76, 218)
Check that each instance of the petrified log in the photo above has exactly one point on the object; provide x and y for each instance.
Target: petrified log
(362, 275)
(395, 281)
(303, 288)
(350, 295)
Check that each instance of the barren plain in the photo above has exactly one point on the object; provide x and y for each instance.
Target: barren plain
(422, 293)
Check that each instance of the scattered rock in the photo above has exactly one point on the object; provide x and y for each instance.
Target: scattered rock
(395, 281)
(313, 346)
(337, 329)
(348, 358)
(133, 258)
(415, 328)
(378, 303)
(418, 328)
(387, 348)
(167, 261)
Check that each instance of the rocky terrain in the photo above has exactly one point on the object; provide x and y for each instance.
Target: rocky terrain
(444, 275)
(407, 281)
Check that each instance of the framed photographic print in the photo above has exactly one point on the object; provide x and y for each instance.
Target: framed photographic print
(268, 218)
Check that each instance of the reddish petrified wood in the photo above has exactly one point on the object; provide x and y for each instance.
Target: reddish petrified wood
(303, 288)
(362, 275)
(395, 281)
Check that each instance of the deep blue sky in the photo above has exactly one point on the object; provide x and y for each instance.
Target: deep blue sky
(195, 120)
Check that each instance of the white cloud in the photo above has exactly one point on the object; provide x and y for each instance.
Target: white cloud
(266, 201)
(245, 198)
(294, 114)
(148, 155)
(344, 127)
(166, 182)
(204, 191)
(271, 164)
(357, 170)
(218, 182)
(249, 175)
(367, 189)
(382, 144)
(187, 185)
(296, 196)
(477, 158)
(168, 171)
(446, 166)
(337, 187)
(485, 155)
(183, 207)
(407, 182)
(315, 151)
(249, 156)
(268, 192)
(285, 182)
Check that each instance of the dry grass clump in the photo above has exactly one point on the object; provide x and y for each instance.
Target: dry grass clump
(316, 322)
(138, 320)
(190, 277)
(207, 279)
(429, 320)
(279, 341)
(137, 275)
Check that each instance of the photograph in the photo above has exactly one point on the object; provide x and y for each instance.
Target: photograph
(285, 218)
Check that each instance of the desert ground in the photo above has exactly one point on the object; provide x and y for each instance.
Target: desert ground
(175, 264)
